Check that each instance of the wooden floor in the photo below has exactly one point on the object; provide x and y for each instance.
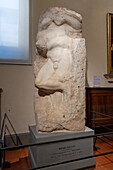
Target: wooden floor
(20, 161)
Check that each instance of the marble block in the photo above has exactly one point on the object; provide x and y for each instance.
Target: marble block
(59, 151)
(60, 72)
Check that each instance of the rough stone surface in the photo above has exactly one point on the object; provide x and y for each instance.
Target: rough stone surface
(60, 69)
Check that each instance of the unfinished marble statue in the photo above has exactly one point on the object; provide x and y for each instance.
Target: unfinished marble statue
(60, 69)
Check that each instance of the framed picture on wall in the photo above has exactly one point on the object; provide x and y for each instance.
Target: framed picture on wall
(110, 42)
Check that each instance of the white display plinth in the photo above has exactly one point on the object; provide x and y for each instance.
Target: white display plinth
(59, 151)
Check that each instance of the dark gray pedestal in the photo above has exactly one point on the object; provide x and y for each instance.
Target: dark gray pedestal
(57, 152)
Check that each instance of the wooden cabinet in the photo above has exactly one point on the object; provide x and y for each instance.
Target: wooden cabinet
(99, 100)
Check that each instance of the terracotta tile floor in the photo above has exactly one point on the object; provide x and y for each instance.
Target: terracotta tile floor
(104, 162)
(19, 158)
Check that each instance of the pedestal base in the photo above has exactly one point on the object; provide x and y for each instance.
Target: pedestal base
(59, 151)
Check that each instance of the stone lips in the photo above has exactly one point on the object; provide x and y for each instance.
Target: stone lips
(60, 69)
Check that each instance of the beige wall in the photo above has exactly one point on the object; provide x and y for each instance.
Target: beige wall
(94, 31)
(17, 96)
(17, 81)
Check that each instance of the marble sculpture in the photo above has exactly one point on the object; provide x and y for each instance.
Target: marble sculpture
(60, 69)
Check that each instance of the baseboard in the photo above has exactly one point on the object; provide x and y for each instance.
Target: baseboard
(24, 137)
